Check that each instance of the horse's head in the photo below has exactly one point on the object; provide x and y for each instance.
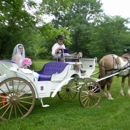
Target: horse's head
(127, 55)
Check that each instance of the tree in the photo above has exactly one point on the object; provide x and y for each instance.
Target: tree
(50, 33)
(17, 25)
(78, 20)
(110, 35)
(13, 20)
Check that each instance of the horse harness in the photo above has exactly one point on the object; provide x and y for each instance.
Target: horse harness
(118, 68)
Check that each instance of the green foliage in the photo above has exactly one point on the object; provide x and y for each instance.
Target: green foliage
(14, 22)
(55, 7)
(109, 36)
(78, 20)
(50, 34)
(82, 22)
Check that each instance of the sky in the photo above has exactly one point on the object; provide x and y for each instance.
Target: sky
(116, 7)
(111, 7)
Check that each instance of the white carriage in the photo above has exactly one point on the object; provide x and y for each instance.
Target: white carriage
(19, 90)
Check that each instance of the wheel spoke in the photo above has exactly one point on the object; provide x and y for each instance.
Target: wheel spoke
(87, 102)
(4, 106)
(19, 109)
(17, 90)
(19, 98)
(21, 89)
(7, 87)
(3, 91)
(68, 91)
(24, 93)
(23, 107)
(85, 98)
(15, 111)
(12, 87)
(95, 90)
(71, 94)
(90, 93)
(96, 95)
(25, 102)
(26, 97)
(6, 110)
(10, 112)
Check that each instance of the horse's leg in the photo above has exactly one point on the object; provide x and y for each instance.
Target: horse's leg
(108, 88)
(129, 85)
(105, 93)
(122, 86)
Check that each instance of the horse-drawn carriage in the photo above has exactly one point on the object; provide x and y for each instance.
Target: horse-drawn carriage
(18, 90)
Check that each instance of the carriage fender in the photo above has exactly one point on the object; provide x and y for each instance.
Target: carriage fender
(60, 86)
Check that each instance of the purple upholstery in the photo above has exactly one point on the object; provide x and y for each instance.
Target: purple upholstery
(51, 68)
(65, 51)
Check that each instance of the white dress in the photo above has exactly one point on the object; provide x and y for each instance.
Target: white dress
(25, 70)
(28, 71)
(17, 57)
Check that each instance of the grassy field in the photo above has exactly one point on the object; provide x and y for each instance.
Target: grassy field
(70, 115)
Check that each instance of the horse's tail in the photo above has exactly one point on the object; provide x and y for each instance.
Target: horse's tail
(102, 73)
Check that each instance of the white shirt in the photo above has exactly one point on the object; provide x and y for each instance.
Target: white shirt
(55, 46)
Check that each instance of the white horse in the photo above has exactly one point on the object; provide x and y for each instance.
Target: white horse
(110, 64)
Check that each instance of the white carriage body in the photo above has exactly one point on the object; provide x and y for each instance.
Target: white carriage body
(19, 88)
(45, 88)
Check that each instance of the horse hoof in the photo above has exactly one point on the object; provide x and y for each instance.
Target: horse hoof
(110, 98)
(122, 94)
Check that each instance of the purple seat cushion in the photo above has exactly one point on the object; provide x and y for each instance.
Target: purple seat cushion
(51, 68)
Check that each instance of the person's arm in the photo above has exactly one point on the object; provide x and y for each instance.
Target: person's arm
(17, 59)
(59, 48)
(56, 48)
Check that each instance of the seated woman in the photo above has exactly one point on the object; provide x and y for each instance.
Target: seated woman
(18, 56)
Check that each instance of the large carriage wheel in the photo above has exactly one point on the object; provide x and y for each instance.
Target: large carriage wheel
(90, 93)
(69, 91)
(17, 98)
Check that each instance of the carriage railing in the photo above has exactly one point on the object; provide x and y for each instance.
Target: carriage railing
(65, 56)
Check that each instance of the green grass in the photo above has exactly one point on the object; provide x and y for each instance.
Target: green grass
(38, 64)
(70, 115)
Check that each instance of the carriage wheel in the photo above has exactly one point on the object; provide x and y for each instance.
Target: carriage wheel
(17, 98)
(69, 91)
(90, 93)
